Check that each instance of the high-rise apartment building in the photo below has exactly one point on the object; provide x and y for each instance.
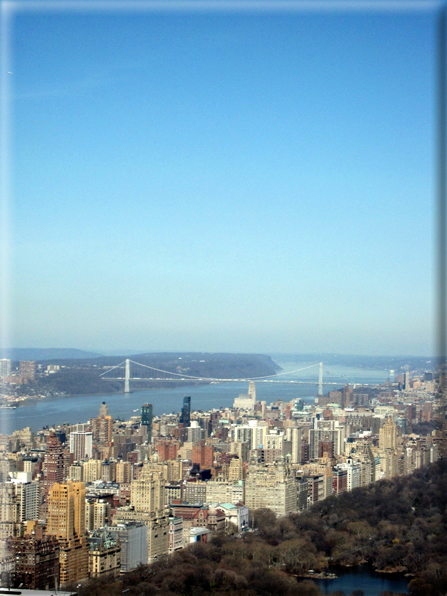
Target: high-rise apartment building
(203, 455)
(133, 536)
(81, 445)
(26, 499)
(295, 435)
(388, 434)
(406, 381)
(147, 493)
(5, 367)
(271, 486)
(167, 450)
(66, 521)
(27, 370)
(123, 472)
(97, 514)
(92, 470)
(327, 435)
(54, 462)
(36, 560)
(102, 426)
(104, 556)
(147, 498)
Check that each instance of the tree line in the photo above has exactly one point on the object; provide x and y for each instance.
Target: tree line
(397, 525)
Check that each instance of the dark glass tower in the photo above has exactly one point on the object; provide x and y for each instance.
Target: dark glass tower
(185, 417)
(146, 419)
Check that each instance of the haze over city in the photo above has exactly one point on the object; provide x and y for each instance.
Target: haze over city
(228, 180)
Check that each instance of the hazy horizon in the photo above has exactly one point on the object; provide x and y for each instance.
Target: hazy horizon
(272, 354)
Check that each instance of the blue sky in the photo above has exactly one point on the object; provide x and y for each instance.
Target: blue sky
(247, 182)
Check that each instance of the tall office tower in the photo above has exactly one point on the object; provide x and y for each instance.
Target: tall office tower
(66, 521)
(146, 419)
(53, 463)
(5, 367)
(27, 370)
(388, 434)
(81, 445)
(185, 417)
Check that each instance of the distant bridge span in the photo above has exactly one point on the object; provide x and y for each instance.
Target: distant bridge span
(173, 376)
(218, 380)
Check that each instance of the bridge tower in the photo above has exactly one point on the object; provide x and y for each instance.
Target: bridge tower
(127, 377)
(320, 380)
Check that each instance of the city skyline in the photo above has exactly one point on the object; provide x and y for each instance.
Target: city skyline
(258, 181)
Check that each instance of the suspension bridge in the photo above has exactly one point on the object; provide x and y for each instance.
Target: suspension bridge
(125, 366)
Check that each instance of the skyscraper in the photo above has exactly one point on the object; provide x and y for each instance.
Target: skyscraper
(146, 419)
(185, 417)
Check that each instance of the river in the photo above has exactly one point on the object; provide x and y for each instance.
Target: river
(75, 409)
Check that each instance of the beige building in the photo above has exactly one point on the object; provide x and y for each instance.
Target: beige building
(225, 492)
(92, 470)
(388, 434)
(123, 472)
(246, 401)
(97, 514)
(271, 486)
(147, 498)
(104, 555)
(75, 472)
(389, 462)
(66, 521)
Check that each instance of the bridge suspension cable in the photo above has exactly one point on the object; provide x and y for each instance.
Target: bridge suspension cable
(183, 376)
(211, 378)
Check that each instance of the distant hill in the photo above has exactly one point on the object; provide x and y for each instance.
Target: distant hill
(378, 362)
(81, 376)
(46, 354)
